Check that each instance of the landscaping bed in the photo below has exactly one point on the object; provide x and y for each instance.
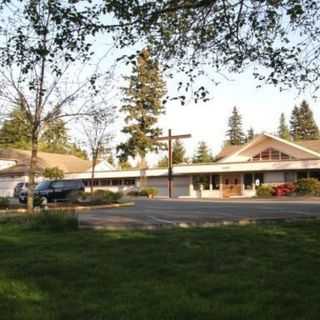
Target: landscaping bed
(236, 272)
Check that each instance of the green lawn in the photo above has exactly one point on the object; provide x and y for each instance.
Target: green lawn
(252, 272)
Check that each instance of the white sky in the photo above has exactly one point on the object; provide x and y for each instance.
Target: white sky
(259, 107)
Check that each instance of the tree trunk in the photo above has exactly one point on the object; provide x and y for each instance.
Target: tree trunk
(32, 173)
(94, 163)
(143, 177)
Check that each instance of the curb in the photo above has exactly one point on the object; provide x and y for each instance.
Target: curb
(73, 209)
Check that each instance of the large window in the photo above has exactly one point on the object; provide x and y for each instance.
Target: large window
(201, 180)
(129, 182)
(258, 178)
(248, 177)
(271, 154)
(315, 174)
(215, 180)
(302, 175)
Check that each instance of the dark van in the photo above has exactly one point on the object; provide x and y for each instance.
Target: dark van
(54, 190)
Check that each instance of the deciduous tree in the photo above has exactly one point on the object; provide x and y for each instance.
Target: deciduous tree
(43, 44)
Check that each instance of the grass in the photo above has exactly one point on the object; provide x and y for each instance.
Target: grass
(249, 272)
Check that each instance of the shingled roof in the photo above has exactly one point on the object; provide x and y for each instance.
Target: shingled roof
(67, 163)
(228, 150)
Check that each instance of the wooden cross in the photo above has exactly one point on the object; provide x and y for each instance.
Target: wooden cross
(170, 138)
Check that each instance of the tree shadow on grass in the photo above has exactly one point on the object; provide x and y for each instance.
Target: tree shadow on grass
(223, 273)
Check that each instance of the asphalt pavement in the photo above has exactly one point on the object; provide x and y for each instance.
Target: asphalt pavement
(178, 212)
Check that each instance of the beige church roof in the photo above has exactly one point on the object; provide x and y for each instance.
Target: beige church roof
(228, 150)
(313, 145)
(67, 163)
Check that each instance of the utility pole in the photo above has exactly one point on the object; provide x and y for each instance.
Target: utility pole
(170, 138)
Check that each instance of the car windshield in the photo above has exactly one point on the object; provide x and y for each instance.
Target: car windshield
(43, 185)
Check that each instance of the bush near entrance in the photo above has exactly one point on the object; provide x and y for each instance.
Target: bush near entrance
(149, 192)
(99, 197)
(308, 186)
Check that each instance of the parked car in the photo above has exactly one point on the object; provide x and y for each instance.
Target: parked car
(21, 186)
(54, 191)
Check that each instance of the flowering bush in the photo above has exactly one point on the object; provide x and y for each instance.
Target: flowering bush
(284, 189)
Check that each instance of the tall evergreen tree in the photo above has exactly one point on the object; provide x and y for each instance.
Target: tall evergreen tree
(250, 135)
(16, 133)
(302, 123)
(309, 128)
(283, 130)
(295, 123)
(203, 154)
(178, 155)
(143, 104)
(235, 133)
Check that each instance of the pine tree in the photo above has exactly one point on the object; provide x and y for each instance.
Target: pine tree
(203, 154)
(235, 134)
(250, 135)
(178, 155)
(302, 123)
(143, 104)
(295, 123)
(309, 128)
(283, 130)
(16, 133)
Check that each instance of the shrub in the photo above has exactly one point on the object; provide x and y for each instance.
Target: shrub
(284, 189)
(133, 193)
(54, 221)
(150, 192)
(308, 186)
(99, 197)
(264, 190)
(4, 203)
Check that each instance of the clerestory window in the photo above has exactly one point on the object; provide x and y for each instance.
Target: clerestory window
(271, 154)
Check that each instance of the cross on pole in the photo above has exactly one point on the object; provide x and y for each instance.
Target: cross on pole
(170, 138)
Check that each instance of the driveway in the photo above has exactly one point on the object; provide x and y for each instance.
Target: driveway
(176, 212)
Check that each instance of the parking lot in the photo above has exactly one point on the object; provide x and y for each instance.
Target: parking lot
(171, 212)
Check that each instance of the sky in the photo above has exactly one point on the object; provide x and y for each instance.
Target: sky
(260, 109)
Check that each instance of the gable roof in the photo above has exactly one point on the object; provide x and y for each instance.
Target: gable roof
(313, 145)
(309, 146)
(227, 151)
(67, 163)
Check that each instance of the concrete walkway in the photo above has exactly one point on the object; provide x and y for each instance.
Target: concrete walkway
(155, 213)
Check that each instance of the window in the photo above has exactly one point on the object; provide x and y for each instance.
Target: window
(265, 155)
(302, 175)
(57, 184)
(271, 154)
(116, 182)
(129, 182)
(275, 154)
(201, 180)
(258, 178)
(315, 174)
(248, 181)
(284, 156)
(215, 179)
(104, 182)
(289, 176)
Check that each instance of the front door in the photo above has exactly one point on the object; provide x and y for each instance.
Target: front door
(231, 185)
